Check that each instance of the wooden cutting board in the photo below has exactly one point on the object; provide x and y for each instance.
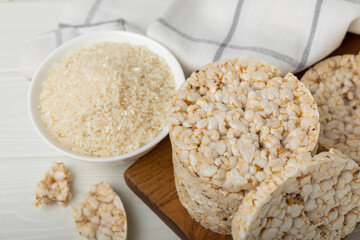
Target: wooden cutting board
(152, 179)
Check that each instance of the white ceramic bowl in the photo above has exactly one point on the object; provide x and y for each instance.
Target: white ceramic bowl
(82, 42)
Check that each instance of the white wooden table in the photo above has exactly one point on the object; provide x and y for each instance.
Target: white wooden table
(24, 157)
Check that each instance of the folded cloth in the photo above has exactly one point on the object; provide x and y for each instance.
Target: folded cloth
(289, 34)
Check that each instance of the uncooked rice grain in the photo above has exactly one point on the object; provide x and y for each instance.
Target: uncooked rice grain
(107, 99)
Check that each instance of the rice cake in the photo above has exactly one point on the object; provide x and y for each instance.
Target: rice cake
(232, 120)
(318, 199)
(335, 86)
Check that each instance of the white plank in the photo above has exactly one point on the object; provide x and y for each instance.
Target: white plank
(17, 136)
(19, 219)
(19, 22)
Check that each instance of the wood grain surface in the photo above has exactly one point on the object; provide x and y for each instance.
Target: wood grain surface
(152, 178)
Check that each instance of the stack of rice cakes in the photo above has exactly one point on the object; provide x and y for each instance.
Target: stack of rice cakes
(234, 123)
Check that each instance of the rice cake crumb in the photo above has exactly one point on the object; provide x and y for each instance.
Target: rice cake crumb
(101, 214)
(335, 86)
(55, 186)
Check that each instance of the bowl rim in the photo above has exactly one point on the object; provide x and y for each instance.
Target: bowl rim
(37, 81)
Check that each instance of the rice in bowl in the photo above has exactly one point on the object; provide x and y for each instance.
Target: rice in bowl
(108, 99)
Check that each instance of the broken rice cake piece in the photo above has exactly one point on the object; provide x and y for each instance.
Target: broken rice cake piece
(101, 214)
(55, 186)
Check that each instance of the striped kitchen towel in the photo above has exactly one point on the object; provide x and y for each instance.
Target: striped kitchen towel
(289, 34)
